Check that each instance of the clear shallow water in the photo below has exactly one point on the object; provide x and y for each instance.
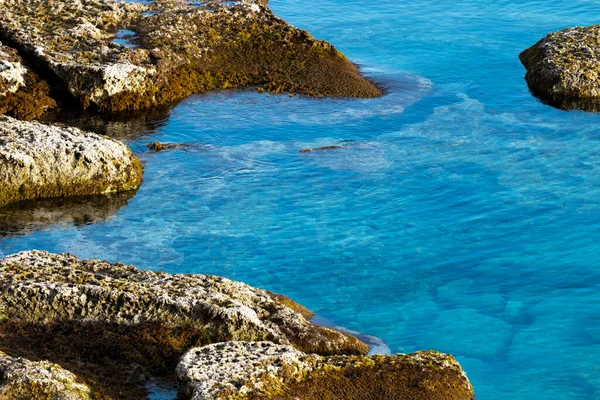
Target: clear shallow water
(462, 215)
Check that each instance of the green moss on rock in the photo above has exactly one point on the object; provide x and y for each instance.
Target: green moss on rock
(21, 379)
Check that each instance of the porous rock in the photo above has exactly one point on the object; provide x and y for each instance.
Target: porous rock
(44, 288)
(177, 49)
(41, 161)
(564, 66)
(41, 380)
(264, 370)
(22, 93)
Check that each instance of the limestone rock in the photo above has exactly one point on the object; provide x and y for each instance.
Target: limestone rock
(22, 93)
(42, 380)
(565, 65)
(264, 370)
(177, 49)
(41, 161)
(43, 288)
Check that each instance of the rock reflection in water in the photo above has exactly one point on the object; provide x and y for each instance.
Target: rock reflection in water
(21, 218)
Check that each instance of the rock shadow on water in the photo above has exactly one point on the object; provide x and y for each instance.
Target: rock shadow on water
(590, 104)
(133, 126)
(24, 217)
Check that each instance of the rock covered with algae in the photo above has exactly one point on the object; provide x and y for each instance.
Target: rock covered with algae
(41, 380)
(175, 49)
(42, 161)
(22, 93)
(564, 67)
(43, 288)
(264, 370)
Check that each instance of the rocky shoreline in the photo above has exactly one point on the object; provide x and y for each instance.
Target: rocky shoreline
(88, 329)
(115, 327)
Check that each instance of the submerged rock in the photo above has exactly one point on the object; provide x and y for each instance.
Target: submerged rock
(264, 370)
(175, 50)
(24, 379)
(41, 161)
(22, 93)
(563, 67)
(310, 149)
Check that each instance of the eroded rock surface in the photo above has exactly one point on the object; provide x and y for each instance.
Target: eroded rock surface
(42, 380)
(39, 287)
(116, 326)
(41, 161)
(22, 93)
(176, 49)
(264, 370)
(564, 67)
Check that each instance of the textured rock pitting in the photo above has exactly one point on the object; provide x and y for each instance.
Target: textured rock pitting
(264, 370)
(22, 93)
(42, 380)
(565, 65)
(41, 161)
(43, 288)
(178, 49)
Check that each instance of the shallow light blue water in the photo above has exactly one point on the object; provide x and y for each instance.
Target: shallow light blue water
(462, 215)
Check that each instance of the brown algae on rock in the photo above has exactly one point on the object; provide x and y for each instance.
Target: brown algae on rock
(179, 49)
(564, 68)
(264, 370)
(112, 316)
(23, 94)
(42, 161)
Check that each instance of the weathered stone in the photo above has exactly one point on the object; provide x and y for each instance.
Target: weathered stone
(116, 326)
(22, 93)
(24, 379)
(40, 161)
(564, 68)
(39, 287)
(178, 49)
(264, 370)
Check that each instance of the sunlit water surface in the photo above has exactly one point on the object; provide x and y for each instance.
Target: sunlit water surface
(462, 214)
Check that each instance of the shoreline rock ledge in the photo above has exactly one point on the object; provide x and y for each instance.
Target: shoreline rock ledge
(267, 371)
(563, 68)
(118, 57)
(43, 161)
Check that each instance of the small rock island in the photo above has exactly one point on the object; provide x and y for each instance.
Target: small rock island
(563, 68)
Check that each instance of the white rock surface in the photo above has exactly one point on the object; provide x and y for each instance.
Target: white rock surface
(39, 161)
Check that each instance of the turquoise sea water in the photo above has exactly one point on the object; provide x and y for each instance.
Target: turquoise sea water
(462, 215)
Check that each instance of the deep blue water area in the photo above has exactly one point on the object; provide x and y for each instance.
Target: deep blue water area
(461, 214)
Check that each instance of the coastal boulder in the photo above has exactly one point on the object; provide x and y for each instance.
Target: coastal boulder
(564, 67)
(172, 49)
(264, 370)
(41, 380)
(42, 161)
